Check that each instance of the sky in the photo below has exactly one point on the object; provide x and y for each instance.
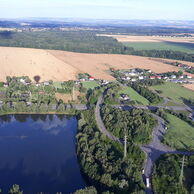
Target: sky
(99, 9)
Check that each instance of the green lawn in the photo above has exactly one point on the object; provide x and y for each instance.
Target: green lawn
(57, 85)
(2, 89)
(90, 84)
(179, 135)
(133, 95)
(175, 46)
(174, 91)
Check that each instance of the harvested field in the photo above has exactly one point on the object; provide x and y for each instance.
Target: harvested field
(97, 65)
(62, 66)
(31, 62)
(128, 38)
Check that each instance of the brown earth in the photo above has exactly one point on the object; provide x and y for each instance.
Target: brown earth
(189, 86)
(62, 66)
(128, 38)
(66, 98)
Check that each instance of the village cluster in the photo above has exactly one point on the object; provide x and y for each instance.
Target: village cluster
(134, 75)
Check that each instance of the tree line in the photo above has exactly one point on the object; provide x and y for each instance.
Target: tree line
(82, 41)
(102, 161)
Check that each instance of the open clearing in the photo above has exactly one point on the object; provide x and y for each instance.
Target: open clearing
(90, 84)
(179, 134)
(61, 66)
(133, 95)
(174, 91)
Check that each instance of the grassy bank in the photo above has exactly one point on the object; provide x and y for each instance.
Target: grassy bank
(179, 134)
(174, 92)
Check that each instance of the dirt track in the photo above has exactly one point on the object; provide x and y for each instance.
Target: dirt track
(62, 66)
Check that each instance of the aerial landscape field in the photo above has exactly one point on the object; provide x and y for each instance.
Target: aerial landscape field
(97, 97)
(63, 66)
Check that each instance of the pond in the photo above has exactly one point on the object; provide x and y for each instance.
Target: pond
(38, 152)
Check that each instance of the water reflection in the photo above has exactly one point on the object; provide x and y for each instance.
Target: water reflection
(38, 153)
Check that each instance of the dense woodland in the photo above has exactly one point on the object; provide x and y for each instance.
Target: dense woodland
(102, 160)
(136, 124)
(81, 41)
(166, 176)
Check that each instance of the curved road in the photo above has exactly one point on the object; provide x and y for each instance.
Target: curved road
(153, 150)
(100, 123)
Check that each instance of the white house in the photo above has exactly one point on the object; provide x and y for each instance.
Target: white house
(133, 80)
(141, 77)
(173, 76)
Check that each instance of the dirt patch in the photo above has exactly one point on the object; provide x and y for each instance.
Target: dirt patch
(189, 86)
(69, 97)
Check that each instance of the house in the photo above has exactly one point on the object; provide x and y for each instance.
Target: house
(22, 81)
(153, 77)
(133, 74)
(46, 83)
(91, 78)
(82, 80)
(189, 77)
(124, 97)
(5, 85)
(141, 77)
(28, 103)
(158, 77)
(133, 80)
(104, 82)
(173, 76)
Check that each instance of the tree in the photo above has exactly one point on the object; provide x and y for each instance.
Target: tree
(15, 189)
(87, 190)
(37, 78)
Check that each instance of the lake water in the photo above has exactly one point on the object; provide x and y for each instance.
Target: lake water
(38, 152)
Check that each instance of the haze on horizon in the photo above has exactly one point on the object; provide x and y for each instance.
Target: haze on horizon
(99, 9)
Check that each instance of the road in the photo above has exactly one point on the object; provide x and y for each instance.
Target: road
(174, 108)
(100, 123)
(153, 150)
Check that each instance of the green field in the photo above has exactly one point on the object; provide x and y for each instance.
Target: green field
(174, 92)
(90, 84)
(2, 89)
(133, 95)
(57, 85)
(184, 47)
(179, 135)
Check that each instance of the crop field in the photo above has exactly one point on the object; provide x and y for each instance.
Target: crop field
(179, 134)
(90, 84)
(62, 66)
(174, 92)
(183, 47)
(133, 95)
(129, 38)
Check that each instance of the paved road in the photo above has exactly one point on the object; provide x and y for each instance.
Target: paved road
(174, 108)
(100, 123)
(153, 150)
